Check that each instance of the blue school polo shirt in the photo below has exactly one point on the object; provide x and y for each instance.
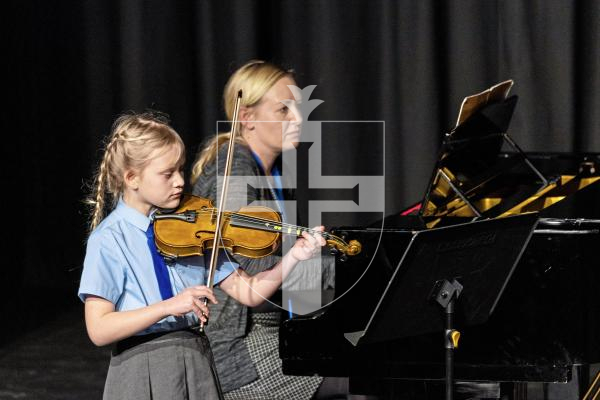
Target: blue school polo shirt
(118, 267)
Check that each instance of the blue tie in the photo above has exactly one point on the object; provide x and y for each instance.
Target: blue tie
(160, 268)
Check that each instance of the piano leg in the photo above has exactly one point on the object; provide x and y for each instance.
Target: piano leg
(514, 391)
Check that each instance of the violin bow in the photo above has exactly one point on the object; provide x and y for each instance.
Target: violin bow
(221, 207)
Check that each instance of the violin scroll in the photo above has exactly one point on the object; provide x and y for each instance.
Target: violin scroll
(339, 245)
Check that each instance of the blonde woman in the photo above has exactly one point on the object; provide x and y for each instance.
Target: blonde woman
(245, 341)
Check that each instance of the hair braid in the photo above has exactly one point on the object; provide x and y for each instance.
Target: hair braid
(97, 200)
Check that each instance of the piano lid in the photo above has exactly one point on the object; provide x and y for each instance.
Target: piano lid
(482, 173)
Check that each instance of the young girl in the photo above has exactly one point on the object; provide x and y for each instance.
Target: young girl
(132, 299)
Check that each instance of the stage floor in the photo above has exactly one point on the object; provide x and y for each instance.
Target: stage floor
(55, 361)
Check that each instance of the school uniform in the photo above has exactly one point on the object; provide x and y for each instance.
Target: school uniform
(169, 359)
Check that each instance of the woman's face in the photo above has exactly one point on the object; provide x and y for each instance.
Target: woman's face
(275, 126)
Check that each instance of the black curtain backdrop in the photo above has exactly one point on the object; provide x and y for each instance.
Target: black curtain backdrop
(72, 66)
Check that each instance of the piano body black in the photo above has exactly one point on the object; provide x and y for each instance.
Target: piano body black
(548, 318)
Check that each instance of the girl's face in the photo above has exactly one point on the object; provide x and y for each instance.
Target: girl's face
(284, 130)
(159, 184)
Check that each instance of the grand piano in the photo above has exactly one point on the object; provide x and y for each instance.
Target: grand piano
(546, 325)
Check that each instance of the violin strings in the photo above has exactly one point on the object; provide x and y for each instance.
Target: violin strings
(246, 218)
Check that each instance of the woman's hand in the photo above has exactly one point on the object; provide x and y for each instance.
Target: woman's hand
(191, 300)
(308, 245)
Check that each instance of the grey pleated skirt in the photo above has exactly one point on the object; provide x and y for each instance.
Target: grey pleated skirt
(176, 366)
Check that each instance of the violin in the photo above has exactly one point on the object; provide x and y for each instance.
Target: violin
(252, 231)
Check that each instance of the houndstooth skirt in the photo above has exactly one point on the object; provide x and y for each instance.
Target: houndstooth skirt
(263, 345)
(175, 366)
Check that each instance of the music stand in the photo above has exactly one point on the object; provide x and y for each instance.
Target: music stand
(479, 256)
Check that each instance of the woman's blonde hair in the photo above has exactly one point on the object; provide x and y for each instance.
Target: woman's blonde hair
(131, 145)
(254, 78)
